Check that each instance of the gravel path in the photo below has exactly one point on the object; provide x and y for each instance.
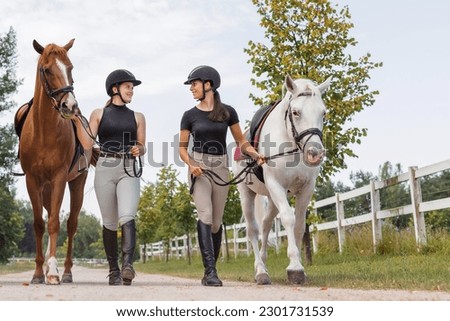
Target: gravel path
(91, 285)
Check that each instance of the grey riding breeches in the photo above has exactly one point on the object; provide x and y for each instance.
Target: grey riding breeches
(117, 193)
(210, 198)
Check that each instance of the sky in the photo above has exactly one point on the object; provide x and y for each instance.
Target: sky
(160, 41)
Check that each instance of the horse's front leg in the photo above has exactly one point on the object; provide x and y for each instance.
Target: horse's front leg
(295, 270)
(53, 195)
(248, 209)
(302, 200)
(39, 228)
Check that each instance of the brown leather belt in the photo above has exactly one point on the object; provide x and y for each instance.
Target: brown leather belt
(114, 155)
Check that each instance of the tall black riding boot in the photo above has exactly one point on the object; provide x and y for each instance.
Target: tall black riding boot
(111, 249)
(205, 242)
(128, 245)
(217, 242)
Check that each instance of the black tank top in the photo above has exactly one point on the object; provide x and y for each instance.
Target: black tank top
(117, 130)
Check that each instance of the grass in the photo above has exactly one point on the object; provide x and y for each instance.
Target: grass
(397, 265)
(16, 267)
(408, 272)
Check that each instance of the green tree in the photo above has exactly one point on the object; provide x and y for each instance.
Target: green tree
(147, 218)
(185, 210)
(11, 223)
(395, 195)
(436, 187)
(88, 242)
(233, 210)
(27, 245)
(165, 210)
(8, 86)
(311, 39)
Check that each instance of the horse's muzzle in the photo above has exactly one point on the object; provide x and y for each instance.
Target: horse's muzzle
(313, 154)
(68, 108)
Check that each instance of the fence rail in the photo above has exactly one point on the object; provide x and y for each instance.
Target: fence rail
(417, 208)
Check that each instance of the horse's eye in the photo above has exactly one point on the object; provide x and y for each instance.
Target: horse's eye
(296, 113)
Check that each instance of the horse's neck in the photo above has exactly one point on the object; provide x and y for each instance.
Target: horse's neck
(44, 117)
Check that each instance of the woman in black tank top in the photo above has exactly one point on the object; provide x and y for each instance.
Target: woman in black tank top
(120, 132)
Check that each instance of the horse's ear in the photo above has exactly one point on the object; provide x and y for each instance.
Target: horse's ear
(38, 47)
(324, 86)
(289, 83)
(69, 45)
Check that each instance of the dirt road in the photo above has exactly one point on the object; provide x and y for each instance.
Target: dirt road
(91, 285)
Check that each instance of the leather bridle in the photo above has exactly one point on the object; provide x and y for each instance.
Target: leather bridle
(54, 93)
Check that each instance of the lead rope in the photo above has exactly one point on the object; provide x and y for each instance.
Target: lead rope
(137, 161)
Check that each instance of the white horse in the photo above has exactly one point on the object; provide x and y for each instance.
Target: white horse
(291, 140)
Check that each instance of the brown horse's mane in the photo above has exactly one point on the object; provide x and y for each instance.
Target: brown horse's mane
(50, 51)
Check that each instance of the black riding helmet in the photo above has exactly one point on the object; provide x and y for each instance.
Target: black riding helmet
(204, 73)
(117, 77)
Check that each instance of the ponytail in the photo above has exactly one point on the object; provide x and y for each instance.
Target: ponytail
(219, 113)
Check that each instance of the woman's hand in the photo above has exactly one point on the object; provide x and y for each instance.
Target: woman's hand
(137, 150)
(260, 159)
(195, 170)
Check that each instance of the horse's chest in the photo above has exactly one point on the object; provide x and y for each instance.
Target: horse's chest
(296, 182)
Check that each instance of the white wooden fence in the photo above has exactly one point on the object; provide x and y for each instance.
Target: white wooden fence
(239, 243)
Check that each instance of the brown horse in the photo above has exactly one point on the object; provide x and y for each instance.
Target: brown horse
(48, 153)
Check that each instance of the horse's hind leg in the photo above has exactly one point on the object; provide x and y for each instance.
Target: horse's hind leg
(76, 188)
(266, 227)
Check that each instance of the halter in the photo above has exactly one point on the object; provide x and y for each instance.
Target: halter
(52, 93)
(310, 132)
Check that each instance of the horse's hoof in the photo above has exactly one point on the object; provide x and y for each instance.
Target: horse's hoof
(263, 279)
(38, 279)
(296, 277)
(53, 280)
(67, 278)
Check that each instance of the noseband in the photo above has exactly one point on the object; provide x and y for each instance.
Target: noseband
(52, 93)
(298, 137)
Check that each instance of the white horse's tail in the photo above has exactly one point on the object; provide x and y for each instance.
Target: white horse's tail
(260, 212)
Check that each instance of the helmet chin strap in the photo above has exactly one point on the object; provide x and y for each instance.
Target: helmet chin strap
(120, 95)
(204, 92)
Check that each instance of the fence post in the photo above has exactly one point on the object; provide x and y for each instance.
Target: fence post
(315, 234)
(375, 206)
(235, 244)
(339, 218)
(416, 199)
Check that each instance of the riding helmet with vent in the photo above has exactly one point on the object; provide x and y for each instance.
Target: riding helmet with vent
(117, 77)
(204, 73)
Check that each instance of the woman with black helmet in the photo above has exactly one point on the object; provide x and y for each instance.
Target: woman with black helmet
(207, 125)
(121, 136)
